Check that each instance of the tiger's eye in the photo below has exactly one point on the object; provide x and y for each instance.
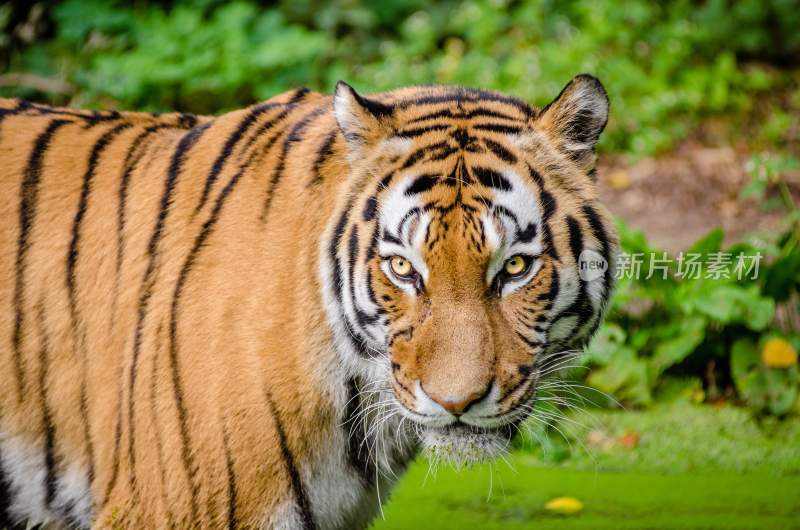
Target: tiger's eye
(515, 265)
(401, 266)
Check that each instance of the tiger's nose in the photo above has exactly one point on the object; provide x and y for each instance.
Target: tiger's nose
(458, 405)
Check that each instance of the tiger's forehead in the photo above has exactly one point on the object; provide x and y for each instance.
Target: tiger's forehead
(416, 105)
(463, 205)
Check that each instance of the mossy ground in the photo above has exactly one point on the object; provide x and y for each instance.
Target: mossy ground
(694, 467)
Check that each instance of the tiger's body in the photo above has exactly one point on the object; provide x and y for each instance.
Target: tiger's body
(195, 327)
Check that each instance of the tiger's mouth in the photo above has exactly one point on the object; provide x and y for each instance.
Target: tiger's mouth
(463, 445)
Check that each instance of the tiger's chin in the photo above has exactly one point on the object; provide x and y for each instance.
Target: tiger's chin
(462, 445)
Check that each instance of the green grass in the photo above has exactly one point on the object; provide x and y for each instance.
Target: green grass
(611, 500)
(694, 467)
(677, 437)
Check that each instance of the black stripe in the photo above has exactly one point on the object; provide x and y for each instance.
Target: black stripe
(422, 184)
(294, 136)
(526, 235)
(231, 480)
(338, 234)
(548, 204)
(497, 128)
(551, 294)
(443, 152)
(90, 117)
(370, 208)
(29, 198)
(389, 238)
(303, 504)
(355, 433)
(601, 235)
(299, 95)
(447, 113)
(219, 163)
(419, 131)
(378, 109)
(373, 244)
(575, 238)
(362, 318)
(6, 499)
(580, 307)
(499, 209)
(157, 427)
(266, 126)
(491, 178)
(324, 152)
(112, 481)
(187, 120)
(132, 159)
(415, 157)
(443, 113)
(533, 344)
(47, 417)
(406, 217)
(71, 282)
(500, 152)
(146, 288)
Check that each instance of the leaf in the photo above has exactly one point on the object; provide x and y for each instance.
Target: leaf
(690, 334)
(754, 189)
(709, 243)
(672, 389)
(717, 303)
(726, 303)
(605, 345)
(759, 313)
(780, 277)
(781, 390)
(564, 505)
(778, 353)
(744, 358)
(625, 377)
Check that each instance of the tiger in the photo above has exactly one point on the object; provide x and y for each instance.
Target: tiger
(260, 319)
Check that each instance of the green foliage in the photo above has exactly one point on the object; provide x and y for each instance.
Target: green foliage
(700, 324)
(676, 435)
(666, 65)
(765, 388)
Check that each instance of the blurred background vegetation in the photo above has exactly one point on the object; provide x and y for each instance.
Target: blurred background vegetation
(687, 375)
(666, 64)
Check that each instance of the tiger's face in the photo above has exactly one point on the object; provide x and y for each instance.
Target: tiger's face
(465, 273)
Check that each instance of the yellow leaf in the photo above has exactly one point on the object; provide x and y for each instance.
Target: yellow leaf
(778, 353)
(564, 505)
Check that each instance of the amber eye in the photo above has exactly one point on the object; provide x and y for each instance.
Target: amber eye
(515, 265)
(401, 266)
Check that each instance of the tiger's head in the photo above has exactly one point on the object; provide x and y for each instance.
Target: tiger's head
(471, 252)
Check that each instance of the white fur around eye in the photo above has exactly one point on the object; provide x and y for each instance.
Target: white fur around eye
(406, 286)
(514, 284)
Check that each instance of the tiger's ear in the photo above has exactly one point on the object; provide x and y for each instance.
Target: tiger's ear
(362, 121)
(576, 118)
